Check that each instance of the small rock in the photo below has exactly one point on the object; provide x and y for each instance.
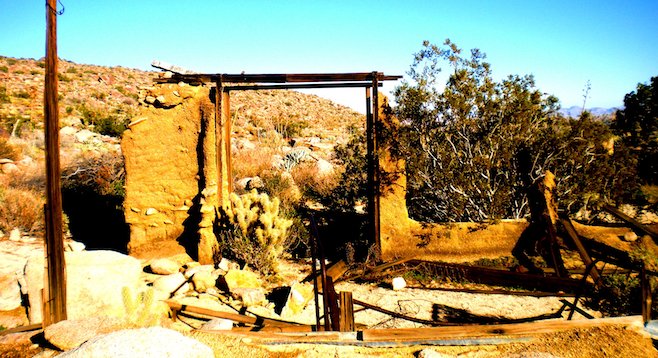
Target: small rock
(218, 324)
(8, 168)
(85, 135)
(150, 211)
(630, 236)
(174, 283)
(324, 167)
(135, 210)
(198, 268)
(430, 353)
(15, 235)
(398, 283)
(149, 99)
(164, 266)
(67, 131)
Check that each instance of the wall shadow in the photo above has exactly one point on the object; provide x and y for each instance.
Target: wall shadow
(96, 220)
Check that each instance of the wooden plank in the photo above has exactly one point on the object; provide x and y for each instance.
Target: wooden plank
(401, 316)
(346, 319)
(256, 321)
(529, 329)
(279, 77)
(301, 86)
(636, 224)
(495, 292)
(582, 251)
(55, 278)
(336, 270)
(332, 299)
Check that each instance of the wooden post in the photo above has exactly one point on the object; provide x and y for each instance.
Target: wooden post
(372, 115)
(584, 255)
(223, 137)
(646, 295)
(55, 279)
(346, 319)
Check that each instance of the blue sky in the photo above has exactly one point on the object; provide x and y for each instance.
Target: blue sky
(564, 44)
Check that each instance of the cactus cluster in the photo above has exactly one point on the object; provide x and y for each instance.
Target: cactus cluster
(292, 159)
(141, 308)
(257, 232)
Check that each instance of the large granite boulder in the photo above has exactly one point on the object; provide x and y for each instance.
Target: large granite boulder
(94, 283)
(143, 342)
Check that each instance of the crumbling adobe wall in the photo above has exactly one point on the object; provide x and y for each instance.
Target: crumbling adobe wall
(403, 237)
(162, 160)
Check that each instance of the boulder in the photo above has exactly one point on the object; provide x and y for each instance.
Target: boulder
(70, 334)
(203, 280)
(94, 281)
(142, 342)
(242, 279)
(196, 269)
(164, 266)
(324, 167)
(10, 293)
(249, 296)
(174, 283)
(300, 295)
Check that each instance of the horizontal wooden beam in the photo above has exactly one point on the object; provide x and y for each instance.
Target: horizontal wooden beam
(277, 77)
(634, 223)
(239, 318)
(300, 86)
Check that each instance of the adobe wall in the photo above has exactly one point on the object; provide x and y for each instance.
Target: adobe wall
(163, 167)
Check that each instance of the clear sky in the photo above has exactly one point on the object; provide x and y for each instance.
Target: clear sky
(564, 44)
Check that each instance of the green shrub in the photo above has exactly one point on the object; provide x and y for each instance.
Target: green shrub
(71, 70)
(22, 94)
(620, 296)
(35, 72)
(41, 64)
(4, 69)
(11, 61)
(253, 231)
(63, 78)
(113, 124)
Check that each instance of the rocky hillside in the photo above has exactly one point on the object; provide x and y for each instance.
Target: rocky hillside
(88, 91)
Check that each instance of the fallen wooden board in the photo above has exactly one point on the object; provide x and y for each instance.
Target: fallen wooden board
(582, 251)
(529, 329)
(444, 336)
(256, 321)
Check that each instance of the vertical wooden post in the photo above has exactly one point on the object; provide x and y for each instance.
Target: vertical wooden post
(372, 117)
(223, 137)
(55, 279)
(346, 320)
(646, 295)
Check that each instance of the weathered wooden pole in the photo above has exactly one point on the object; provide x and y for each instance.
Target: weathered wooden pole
(55, 281)
(372, 117)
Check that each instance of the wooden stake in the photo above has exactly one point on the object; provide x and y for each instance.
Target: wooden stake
(346, 320)
(55, 282)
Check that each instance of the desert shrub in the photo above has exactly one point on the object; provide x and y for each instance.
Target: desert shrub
(4, 69)
(103, 175)
(110, 124)
(254, 232)
(11, 61)
(21, 208)
(35, 72)
(141, 308)
(22, 94)
(289, 126)
(4, 97)
(41, 64)
(619, 296)
(71, 70)
(7, 150)
(63, 78)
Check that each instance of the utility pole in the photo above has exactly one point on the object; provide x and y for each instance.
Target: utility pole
(54, 297)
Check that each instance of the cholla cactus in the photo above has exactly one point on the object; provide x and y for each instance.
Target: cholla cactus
(259, 232)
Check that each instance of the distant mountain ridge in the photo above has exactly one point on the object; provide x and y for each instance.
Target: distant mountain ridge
(574, 111)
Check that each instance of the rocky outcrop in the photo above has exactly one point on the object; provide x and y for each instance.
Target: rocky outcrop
(94, 283)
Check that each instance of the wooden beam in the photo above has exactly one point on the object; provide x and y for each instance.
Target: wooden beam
(530, 329)
(278, 77)
(55, 279)
(300, 86)
(239, 318)
(335, 271)
(634, 223)
(582, 251)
